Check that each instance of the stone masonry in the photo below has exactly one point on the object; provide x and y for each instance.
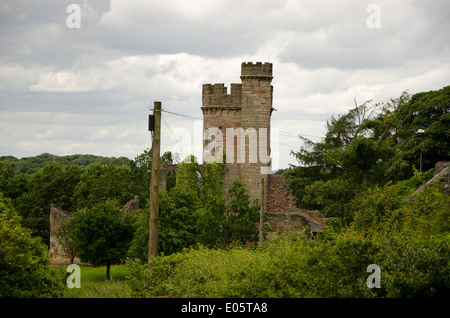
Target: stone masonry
(248, 106)
(58, 254)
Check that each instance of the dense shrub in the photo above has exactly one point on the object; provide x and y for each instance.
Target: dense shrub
(24, 270)
(412, 268)
(284, 268)
(408, 239)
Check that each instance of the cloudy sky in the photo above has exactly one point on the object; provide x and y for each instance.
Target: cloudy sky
(88, 90)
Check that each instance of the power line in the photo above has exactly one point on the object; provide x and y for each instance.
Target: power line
(181, 115)
(281, 132)
(284, 133)
(283, 144)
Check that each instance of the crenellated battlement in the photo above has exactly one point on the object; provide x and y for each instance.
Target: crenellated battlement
(257, 69)
(216, 95)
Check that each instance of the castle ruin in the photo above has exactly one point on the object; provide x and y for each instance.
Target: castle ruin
(242, 119)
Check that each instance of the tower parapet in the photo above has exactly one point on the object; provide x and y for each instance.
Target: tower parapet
(258, 69)
(216, 96)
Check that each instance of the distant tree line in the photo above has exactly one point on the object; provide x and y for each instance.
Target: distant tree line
(69, 186)
(32, 164)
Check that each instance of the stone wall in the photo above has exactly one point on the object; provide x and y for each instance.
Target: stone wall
(282, 211)
(57, 253)
(441, 175)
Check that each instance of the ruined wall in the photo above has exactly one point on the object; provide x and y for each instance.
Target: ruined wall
(58, 254)
(282, 211)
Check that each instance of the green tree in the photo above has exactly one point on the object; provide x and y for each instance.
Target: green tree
(331, 197)
(103, 234)
(139, 177)
(364, 155)
(24, 264)
(355, 144)
(52, 183)
(6, 174)
(242, 216)
(422, 128)
(178, 209)
(212, 213)
(99, 183)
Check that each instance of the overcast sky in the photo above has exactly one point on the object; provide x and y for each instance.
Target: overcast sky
(88, 90)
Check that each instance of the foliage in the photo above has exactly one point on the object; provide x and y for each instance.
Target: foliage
(415, 269)
(392, 209)
(242, 215)
(331, 197)
(300, 177)
(51, 184)
(102, 234)
(422, 127)
(369, 146)
(24, 270)
(189, 214)
(99, 183)
(30, 165)
(283, 268)
(177, 209)
(210, 217)
(177, 220)
(407, 238)
(352, 144)
(71, 182)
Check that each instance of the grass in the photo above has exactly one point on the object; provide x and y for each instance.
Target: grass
(94, 284)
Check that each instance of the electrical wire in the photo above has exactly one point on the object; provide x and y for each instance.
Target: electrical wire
(284, 133)
(280, 132)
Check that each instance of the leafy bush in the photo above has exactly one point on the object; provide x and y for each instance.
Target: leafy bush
(408, 240)
(284, 268)
(412, 268)
(24, 270)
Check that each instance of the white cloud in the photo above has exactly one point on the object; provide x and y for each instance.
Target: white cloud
(89, 90)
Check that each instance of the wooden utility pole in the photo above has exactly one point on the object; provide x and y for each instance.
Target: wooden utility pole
(154, 184)
(261, 214)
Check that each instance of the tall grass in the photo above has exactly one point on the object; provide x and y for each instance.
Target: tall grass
(94, 284)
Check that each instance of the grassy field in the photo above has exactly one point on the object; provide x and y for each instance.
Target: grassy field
(94, 285)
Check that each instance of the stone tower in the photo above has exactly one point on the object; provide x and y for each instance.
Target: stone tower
(242, 117)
